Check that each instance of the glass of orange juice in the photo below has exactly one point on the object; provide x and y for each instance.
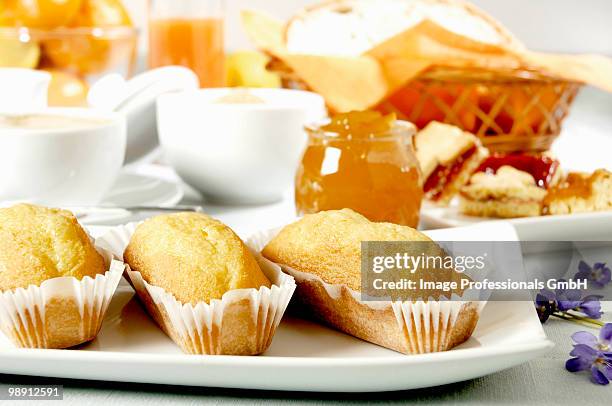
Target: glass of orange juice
(188, 33)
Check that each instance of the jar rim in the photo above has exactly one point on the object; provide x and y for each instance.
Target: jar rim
(401, 128)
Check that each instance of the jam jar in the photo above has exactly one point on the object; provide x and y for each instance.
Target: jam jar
(363, 161)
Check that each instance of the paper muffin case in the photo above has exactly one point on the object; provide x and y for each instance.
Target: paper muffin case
(409, 327)
(61, 312)
(242, 322)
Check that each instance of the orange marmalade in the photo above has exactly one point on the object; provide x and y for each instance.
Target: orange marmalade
(363, 161)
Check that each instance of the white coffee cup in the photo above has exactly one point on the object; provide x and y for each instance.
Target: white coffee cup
(237, 153)
(61, 165)
(23, 89)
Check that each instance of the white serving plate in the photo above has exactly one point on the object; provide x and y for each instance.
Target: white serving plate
(584, 145)
(304, 356)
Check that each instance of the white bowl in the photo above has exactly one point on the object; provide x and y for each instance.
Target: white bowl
(237, 153)
(62, 166)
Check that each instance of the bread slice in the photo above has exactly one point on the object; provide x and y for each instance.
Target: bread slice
(580, 193)
(353, 27)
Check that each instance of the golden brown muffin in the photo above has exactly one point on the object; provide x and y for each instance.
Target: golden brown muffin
(192, 256)
(328, 244)
(39, 243)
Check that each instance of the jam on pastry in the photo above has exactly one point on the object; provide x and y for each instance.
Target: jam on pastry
(543, 168)
(507, 193)
(579, 193)
(448, 156)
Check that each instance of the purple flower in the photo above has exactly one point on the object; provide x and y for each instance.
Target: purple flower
(599, 274)
(590, 306)
(546, 304)
(567, 299)
(594, 354)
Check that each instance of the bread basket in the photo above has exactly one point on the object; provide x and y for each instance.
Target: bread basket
(509, 110)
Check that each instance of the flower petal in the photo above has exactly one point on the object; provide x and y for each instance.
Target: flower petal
(565, 305)
(605, 334)
(598, 376)
(584, 337)
(607, 371)
(584, 351)
(584, 267)
(548, 294)
(577, 364)
(591, 307)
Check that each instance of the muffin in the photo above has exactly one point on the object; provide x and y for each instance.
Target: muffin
(323, 252)
(192, 256)
(55, 285)
(202, 284)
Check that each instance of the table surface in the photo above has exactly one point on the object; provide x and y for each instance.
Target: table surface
(541, 381)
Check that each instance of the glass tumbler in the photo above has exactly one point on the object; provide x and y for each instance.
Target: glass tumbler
(189, 33)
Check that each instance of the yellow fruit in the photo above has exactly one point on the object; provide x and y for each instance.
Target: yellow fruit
(248, 69)
(67, 90)
(17, 54)
(46, 13)
(87, 54)
(7, 13)
(101, 13)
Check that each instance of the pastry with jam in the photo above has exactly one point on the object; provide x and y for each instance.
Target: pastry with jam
(580, 193)
(448, 156)
(506, 193)
(510, 185)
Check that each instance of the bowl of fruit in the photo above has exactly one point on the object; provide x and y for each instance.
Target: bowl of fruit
(76, 41)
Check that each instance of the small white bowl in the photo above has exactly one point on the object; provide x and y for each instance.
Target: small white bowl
(62, 166)
(237, 153)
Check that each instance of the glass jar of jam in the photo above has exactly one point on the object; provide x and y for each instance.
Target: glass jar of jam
(363, 161)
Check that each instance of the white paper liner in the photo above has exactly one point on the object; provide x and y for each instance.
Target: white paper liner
(61, 312)
(242, 322)
(419, 326)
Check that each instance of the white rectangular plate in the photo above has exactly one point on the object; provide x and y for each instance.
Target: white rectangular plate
(304, 356)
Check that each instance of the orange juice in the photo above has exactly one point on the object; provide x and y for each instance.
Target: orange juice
(196, 43)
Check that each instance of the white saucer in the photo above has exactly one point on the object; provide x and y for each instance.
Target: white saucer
(132, 189)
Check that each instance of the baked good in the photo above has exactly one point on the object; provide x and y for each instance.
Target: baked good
(579, 193)
(544, 168)
(352, 27)
(192, 256)
(507, 193)
(323, 252)
(448, 156)
(202, 284)
(38, 243)
(55, 284)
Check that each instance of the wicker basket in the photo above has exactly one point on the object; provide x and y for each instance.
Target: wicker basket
(510, 110)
